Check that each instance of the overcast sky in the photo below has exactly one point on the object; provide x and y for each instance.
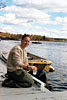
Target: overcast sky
(42, 17)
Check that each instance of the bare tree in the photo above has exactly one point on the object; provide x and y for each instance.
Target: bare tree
(2, 4)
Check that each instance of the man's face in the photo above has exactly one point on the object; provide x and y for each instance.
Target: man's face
(25, 42)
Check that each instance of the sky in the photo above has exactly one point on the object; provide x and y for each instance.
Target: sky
(37, 17)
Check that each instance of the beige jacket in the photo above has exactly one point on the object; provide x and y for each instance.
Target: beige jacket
(16, 58)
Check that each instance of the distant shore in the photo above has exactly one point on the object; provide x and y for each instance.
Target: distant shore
(8, 36)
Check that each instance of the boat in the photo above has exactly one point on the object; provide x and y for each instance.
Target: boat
(36, 42)
(39, 62)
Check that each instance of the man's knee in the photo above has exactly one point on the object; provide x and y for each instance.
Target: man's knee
(25, 84)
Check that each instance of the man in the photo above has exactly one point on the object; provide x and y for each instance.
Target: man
(17, 66)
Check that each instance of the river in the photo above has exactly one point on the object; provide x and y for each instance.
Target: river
(54, 51)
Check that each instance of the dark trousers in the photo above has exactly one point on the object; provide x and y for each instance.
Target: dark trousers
(18, 78)
(21, 78)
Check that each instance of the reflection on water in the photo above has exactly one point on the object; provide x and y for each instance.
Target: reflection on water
(54, 51)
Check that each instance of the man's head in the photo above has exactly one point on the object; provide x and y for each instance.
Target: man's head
(25, 40)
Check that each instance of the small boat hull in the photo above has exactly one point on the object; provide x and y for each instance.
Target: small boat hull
(40, 63)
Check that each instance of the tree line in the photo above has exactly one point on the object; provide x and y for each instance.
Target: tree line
(9, 36)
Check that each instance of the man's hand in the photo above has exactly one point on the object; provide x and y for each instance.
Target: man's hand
(34, 69)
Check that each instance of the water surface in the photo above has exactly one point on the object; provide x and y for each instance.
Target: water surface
(54, 51)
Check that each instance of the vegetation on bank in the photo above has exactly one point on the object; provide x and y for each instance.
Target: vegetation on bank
(8, 36)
